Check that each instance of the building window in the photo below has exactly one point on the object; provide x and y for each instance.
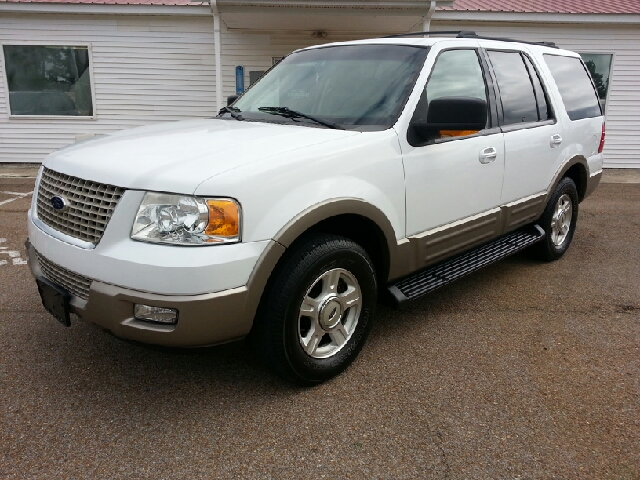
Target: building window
(599, 66)
(48, 80)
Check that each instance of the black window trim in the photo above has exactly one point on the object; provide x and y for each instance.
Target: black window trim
(493, 127)
(527, 125)
(546, 99)
(74, 118)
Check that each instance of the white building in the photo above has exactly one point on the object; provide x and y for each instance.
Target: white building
(72, 68)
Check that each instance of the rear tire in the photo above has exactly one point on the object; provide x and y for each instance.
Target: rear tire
(558, 221)
(317, 310)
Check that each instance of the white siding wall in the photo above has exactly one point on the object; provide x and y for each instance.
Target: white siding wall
(151, 69)
(145, 70)
(254, 51)
(622, 146)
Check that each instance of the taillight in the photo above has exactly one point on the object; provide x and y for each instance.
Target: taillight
(601, 147)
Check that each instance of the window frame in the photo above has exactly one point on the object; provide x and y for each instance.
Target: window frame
(520, 126)
(494, 126)
(5, 80)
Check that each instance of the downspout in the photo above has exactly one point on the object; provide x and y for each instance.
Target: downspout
(426, 26)
(216, 39)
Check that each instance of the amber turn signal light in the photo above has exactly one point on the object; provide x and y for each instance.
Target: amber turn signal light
(224, 218)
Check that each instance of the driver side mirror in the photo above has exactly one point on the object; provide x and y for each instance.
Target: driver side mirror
(453, 115)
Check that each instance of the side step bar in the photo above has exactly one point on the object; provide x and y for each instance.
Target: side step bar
(441, 274)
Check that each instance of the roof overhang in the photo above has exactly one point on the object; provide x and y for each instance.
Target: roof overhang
(326, 15)
(266, 15)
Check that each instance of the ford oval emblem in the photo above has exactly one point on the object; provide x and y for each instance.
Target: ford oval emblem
(58, 202)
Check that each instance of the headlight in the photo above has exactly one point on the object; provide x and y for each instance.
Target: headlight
(186, 220)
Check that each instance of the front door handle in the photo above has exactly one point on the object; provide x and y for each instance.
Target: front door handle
(556, 140)
(488, 155)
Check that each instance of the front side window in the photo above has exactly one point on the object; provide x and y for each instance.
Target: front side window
(46, 80)
(455, 74)
(577, 91)
(516, 90)
(599, 66)
(362, 87)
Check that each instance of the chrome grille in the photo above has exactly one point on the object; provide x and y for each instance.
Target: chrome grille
(74, 283)
(90, 205)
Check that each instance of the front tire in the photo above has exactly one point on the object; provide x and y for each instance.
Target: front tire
(558, 221)
(317, 311)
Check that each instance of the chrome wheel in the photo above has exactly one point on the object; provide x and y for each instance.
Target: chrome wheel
(561, 220)
(329, 313)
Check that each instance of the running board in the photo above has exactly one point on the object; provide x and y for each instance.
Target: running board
(439, 275)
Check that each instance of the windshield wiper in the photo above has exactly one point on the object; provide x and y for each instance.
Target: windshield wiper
(233, 111)
(288, 113)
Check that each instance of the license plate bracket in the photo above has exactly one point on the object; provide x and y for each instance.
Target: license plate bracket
(55, 300)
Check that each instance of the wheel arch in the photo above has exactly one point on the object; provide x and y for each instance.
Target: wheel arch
(576, 168)
(352, 218)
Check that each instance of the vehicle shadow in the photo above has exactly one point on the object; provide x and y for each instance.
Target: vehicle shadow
(88, 366)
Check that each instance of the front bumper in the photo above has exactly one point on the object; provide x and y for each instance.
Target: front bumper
(203, 320)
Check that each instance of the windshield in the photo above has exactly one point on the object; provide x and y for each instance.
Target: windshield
(361, 87)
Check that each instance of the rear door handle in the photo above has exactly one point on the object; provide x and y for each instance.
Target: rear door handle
(556, 140)
(488, 155)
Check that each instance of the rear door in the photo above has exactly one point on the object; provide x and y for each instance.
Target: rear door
(533, 137)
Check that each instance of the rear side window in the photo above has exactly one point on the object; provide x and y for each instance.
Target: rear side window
(516, 90)
(577, 92)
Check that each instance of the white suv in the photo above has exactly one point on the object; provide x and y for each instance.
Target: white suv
(349, 170)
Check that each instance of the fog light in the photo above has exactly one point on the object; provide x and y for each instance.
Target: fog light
(147, 313)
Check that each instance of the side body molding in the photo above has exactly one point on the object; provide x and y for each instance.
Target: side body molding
(405, 256)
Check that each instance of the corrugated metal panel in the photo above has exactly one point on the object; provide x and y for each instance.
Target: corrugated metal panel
(622, 146)
(145, 70)
(544, 6)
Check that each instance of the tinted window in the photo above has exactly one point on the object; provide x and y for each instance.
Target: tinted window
(599, 66)
(516, 91)
(544, 109)
(574, 84)
(47, 80)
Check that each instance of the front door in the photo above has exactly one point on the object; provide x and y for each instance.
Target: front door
(453, 182)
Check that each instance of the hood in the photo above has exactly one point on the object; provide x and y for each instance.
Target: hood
(177, 157)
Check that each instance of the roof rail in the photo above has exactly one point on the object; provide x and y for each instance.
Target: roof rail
(470, 34)
(458, 33)
(503, 39)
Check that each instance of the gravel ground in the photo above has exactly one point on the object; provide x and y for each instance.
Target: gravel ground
(521, 371)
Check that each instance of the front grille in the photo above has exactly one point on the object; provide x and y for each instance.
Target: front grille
(74, 283)
(90, 205)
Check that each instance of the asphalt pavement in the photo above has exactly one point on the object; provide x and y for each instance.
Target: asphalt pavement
(525, 370)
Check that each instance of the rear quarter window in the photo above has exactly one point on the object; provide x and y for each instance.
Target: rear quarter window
(575, 86)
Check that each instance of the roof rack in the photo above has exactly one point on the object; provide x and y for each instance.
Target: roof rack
(470, 34)
(458, 33)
